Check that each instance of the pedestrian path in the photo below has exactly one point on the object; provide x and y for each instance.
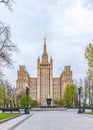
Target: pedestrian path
(14, 122)
(50, 120)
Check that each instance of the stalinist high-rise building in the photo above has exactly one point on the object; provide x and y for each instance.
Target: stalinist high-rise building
(44, 85)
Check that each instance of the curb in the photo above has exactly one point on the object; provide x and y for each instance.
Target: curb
(48, 109)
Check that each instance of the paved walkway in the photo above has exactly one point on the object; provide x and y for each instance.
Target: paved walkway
(50, 120)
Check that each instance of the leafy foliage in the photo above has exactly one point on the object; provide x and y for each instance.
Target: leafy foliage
(2, 95)
(89, 57)
(5, 93)
(23, 100)
(70, 95)
(61, 102)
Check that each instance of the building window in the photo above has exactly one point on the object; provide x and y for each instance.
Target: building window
(67, 77)
(21, 77)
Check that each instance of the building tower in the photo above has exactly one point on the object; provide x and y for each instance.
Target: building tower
(44, 77)
(22, 81)
(65, 78)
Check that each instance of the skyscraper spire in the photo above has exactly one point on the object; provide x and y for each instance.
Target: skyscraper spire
(45, 56)
(44, 41)
(45, 51)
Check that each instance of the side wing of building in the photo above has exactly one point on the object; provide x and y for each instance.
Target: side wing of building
(56, 88)
(33, 88)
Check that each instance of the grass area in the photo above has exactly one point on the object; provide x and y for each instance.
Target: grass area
(7, 115)
(90, 113)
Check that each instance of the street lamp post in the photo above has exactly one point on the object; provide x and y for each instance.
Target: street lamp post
(27, 109)
(84, 103)
(79, 92)
(10, 105)
(4, 102)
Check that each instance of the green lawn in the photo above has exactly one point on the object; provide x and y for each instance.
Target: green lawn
(90, 113)
(6, 115)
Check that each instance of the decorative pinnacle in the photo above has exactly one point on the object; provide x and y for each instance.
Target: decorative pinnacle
(51, 58)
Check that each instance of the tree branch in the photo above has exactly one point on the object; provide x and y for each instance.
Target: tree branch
(7, 47)
(7, 3)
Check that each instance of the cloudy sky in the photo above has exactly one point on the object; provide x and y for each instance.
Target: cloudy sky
(67, 26)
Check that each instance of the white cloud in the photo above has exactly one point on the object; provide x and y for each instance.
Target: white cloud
(71, 20)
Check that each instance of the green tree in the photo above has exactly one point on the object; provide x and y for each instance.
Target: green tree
(23, 100)
(70, 95)
(89, 57)
(2, 96)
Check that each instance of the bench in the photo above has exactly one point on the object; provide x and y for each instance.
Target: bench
(10, 110)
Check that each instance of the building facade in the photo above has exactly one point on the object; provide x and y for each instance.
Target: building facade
(44, 85)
